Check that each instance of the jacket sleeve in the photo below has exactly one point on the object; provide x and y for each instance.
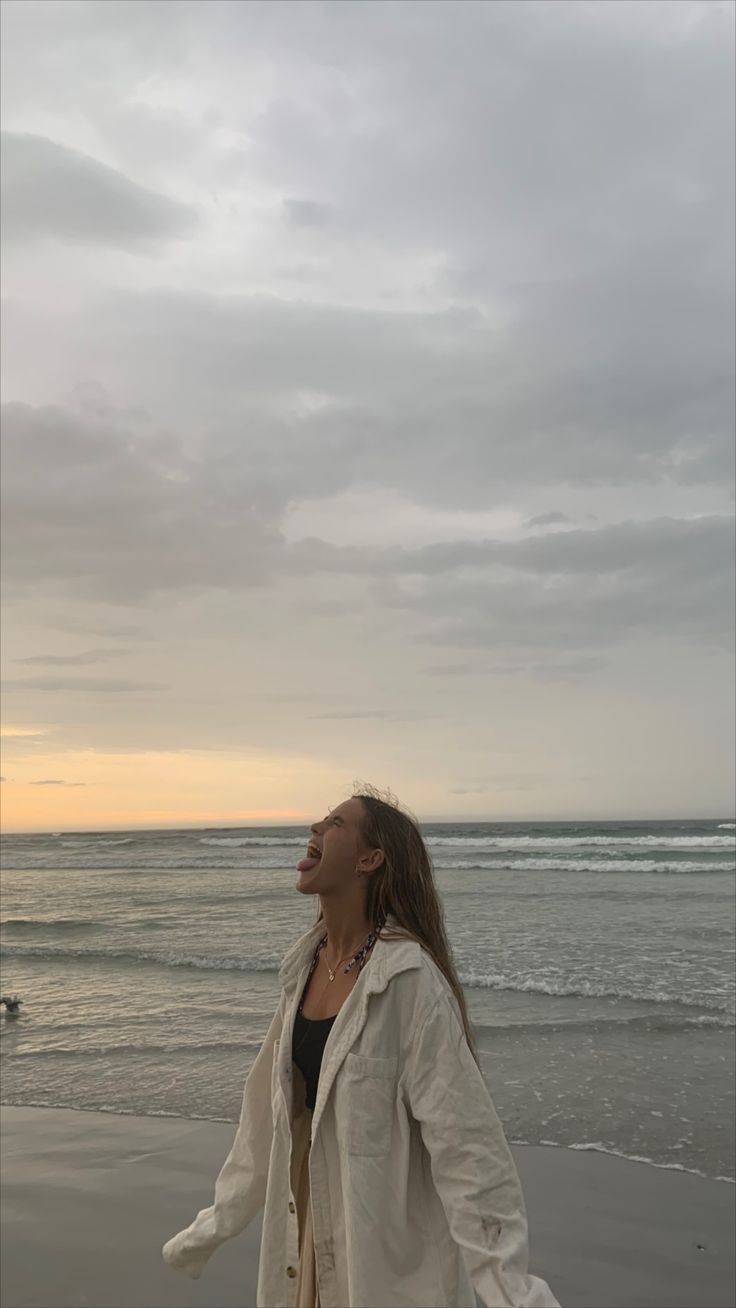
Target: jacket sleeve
(472, 1166)
(240, 1188)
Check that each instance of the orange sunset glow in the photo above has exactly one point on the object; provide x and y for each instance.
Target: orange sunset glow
(94, 791)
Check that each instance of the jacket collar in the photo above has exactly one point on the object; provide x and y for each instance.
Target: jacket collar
(387, 958)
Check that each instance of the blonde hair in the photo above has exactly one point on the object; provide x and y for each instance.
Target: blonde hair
(404, 887)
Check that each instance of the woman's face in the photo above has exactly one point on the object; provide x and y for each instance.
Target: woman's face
(338, 840)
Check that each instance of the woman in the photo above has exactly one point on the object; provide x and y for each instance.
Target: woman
(367, 1130)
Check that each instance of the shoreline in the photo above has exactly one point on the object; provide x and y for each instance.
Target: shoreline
(516, 1144)
(89, 1197)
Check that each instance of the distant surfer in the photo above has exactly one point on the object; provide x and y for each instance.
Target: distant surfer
(12, 1005)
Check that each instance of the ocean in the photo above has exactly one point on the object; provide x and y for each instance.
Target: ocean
(597, 961)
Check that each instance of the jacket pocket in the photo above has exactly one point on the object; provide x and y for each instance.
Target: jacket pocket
(369, 1103)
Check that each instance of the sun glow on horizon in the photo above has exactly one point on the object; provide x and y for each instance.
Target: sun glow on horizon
(75, 790)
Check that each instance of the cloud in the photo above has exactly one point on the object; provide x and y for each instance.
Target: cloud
(453, 669)
(382, 715)
(117, 514)
(438, 405)
(701, 547)
(584, 591)
(307, 213)
(73, 486)
(79, 627)
(74, 660)
(447, 266)
(57, 783)
(21, 732)
(82, 685)
(50, 190)
(547, 519)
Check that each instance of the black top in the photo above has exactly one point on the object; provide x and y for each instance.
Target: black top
(310, 1034)
(307, 1046)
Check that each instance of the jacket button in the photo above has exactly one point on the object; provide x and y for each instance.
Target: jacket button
(291, 1271)
(292, 1209)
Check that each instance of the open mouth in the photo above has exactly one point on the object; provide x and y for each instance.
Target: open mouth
(313, 857)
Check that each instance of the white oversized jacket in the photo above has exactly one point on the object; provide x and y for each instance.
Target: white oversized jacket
(416, 1199)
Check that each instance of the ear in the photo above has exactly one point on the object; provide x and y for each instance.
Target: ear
(373, 861)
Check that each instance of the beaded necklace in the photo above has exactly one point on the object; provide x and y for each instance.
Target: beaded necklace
(358, 958)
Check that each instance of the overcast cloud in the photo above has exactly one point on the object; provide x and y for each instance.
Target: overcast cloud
(368, 407)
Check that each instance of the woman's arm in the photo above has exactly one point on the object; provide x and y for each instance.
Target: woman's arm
(240, 1189)
(472, 1166)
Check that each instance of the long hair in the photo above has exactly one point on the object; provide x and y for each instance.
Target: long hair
(404, 886)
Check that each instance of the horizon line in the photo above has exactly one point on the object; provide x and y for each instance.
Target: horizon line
(446, 821)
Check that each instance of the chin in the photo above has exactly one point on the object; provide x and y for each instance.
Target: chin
(305, 889)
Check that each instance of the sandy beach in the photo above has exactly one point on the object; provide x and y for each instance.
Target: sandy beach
(89, 1198)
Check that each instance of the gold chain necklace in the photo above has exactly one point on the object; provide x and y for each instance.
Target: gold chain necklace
(329, 969)
(359, 957)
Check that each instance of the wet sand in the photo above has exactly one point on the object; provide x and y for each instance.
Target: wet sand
(89, 1198)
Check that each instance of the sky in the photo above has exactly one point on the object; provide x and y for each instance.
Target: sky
(368, 410)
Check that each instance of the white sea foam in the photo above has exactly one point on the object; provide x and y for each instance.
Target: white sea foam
(594, 1146)
(473, 979)
(236, 841)
(544, 841)
(535, 985)
(164, 957)
(93, 840)
(562, 864)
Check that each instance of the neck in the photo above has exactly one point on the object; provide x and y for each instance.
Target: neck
(347, 929)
